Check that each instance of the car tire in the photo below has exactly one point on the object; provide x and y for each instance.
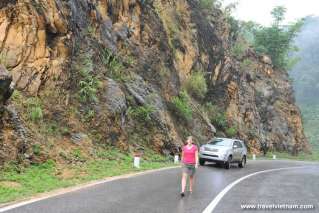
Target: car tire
(201, 162)
(242, 164)
(227, 163)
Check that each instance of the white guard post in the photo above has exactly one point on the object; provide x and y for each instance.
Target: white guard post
(137, 162)
(176, 159)
(254, 157)
(274, 157)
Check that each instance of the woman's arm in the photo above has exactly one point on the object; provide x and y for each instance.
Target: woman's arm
(182, 157)
(196, 158)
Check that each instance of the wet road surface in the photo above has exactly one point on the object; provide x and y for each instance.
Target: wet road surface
(159, 191)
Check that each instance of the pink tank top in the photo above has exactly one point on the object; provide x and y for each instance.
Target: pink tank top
(189, 154)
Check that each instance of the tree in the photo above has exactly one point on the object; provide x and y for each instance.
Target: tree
(277, 40)
(278, 14)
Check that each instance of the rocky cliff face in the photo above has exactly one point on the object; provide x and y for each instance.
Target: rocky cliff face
(91, 73)
(260, 101)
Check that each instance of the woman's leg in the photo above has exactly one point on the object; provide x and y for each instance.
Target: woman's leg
(184, 178)
(191, 181)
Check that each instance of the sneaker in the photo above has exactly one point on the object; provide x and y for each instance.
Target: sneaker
(182, 194)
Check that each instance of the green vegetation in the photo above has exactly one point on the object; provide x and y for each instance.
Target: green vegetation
(238, 50)
(3, 59)
(52, 128)
(231, 131)
(206, 4)
(36, 148)
(196, 85)
(36, 114)
(210, 4)
(310, 116)
(34, 107)
(141, 113)
(28, 181)
(217, 116)
(32, 112)
(170, 22)
(301, 156)
(114, 65)
(91, 31)
(89, 83)
(78, 156)
(180, 106)
(17, 183)
(246, 63)
(277, 40)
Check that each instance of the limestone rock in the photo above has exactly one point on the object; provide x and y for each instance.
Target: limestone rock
(160, 44)
(114, 98)
(6, 86)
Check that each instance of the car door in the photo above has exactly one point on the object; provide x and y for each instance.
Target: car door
(236, 150)
(240, 149)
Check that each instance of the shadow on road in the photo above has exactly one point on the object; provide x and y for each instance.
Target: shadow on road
(220, 166)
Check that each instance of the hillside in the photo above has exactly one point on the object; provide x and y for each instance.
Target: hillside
(306, 77)
(135, 75)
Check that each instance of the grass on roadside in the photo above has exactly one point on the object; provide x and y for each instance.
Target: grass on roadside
(284, 155)
(17, 183)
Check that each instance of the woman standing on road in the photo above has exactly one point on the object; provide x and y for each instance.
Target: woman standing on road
(189, 164)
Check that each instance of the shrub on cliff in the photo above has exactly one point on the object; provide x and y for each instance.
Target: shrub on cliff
(206, 4)
(238, 49)
(114, 65)
(210, 4)
(196, 85)
(141, 113)
(217, 116)
(180, 106)
(35, 109)
(89, 83)
(231, 131)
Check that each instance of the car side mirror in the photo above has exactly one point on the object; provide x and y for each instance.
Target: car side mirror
(235, 146)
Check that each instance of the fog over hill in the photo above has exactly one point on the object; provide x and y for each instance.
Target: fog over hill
(306, 72)
(306, 78)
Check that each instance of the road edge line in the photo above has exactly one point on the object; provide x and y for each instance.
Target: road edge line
(212, 205)
(46, 195)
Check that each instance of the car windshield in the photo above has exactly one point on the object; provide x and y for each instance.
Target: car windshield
(220, 142)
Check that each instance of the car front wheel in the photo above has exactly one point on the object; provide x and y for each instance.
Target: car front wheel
(227, 163)
(242, 164)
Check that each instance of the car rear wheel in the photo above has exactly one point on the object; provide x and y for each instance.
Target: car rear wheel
(201, 162)
(227, 163)
(242, 164)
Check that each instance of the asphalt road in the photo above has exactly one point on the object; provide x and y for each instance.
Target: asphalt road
(159, 191)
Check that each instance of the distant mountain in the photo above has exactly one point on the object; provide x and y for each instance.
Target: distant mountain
(306, 72)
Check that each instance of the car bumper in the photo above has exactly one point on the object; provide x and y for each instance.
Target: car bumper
(213, 157)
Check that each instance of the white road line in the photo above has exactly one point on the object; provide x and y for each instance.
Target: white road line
(210, 208)
(76, 188)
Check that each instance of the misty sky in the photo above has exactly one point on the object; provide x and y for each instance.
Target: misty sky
(259, 10)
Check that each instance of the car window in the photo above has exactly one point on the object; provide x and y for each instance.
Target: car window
(236, 143)
(220, 142)
(239, 145)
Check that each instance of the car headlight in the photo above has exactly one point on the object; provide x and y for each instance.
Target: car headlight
(224, 155)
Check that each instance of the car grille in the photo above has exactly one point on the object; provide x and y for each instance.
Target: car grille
(215, 156)
(211, 149)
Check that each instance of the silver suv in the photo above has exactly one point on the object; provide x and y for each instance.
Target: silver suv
(224, 151)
